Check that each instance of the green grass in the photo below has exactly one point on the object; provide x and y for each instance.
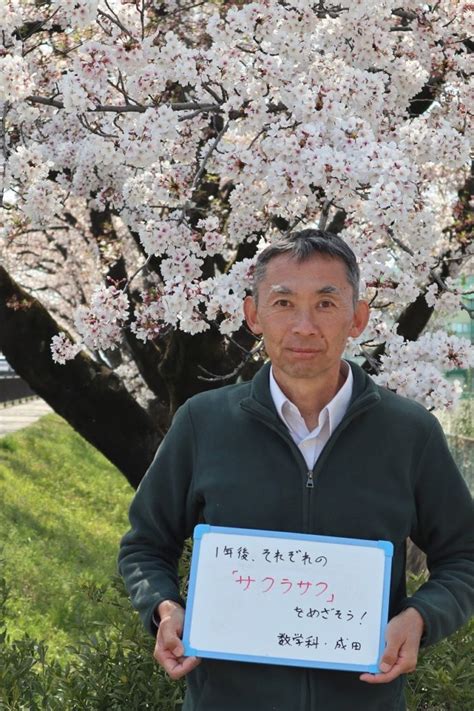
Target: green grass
(64, 509)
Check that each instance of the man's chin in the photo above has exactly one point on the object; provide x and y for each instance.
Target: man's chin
(303, 370)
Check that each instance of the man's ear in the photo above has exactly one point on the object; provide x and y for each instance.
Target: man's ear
(251, 315)
(360, 319)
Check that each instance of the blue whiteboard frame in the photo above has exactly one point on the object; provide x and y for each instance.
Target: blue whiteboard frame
(203, 528)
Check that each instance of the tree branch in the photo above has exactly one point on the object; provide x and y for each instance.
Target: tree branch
(126, 108)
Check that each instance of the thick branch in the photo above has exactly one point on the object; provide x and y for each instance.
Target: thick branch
(121, 108)
(193, 106)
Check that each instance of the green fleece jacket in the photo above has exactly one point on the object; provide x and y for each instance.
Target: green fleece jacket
(385, 473)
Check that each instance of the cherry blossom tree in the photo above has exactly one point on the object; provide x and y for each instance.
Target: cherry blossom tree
(151, 149)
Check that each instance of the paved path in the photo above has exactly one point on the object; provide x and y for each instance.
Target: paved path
(14, 417)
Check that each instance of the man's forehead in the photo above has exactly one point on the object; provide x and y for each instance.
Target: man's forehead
(316, 275)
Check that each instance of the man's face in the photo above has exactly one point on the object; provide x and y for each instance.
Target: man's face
(305, 313)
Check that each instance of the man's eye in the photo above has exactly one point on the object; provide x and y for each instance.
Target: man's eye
(326, 304)
(283, 302)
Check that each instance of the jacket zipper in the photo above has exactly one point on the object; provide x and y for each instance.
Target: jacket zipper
(310, 478)
(310, 481)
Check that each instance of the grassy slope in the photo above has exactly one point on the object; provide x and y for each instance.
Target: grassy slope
(64, 508)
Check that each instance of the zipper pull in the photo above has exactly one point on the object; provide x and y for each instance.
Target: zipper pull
(310, 481)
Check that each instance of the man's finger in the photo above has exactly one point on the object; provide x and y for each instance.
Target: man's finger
(387, 663)
(390, 655)
(405, 663)
(402, 666)
(383, 678)
(407, 658)
(169, 653)
(170, 647)
(169, 640)
(176, 667)
(169, 637)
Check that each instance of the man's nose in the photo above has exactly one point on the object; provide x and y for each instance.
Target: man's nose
(305, 322)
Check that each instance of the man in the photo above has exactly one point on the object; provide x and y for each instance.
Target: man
(310, 445)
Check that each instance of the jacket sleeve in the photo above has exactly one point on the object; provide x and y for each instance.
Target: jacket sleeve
(444, 530)
(162, 515)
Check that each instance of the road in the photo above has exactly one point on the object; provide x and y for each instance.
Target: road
(15, 417)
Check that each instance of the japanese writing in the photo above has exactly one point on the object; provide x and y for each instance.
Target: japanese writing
(297, 639)
(311, 588)
(272, 556)
(297, 556)
(328, 613)
(239, 552)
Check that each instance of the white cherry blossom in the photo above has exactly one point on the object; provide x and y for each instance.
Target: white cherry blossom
(204, 129)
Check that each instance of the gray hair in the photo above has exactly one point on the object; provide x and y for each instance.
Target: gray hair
(303, 245)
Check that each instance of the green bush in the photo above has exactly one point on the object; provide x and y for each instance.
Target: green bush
(113, 668)
(444, 678)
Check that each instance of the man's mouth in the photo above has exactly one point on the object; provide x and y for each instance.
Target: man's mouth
(297, 349)
(304, 352)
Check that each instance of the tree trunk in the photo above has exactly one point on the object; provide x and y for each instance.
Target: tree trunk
(90, 396)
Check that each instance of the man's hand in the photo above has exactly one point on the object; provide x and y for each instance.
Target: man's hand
(402, 637)
(169, 648)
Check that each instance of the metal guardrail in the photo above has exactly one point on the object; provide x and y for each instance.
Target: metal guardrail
(20, 401)
(14, 388)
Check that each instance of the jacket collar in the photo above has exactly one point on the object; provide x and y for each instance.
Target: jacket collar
(364, 393)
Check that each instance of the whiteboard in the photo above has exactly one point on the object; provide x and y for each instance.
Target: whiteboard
(287, 598)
